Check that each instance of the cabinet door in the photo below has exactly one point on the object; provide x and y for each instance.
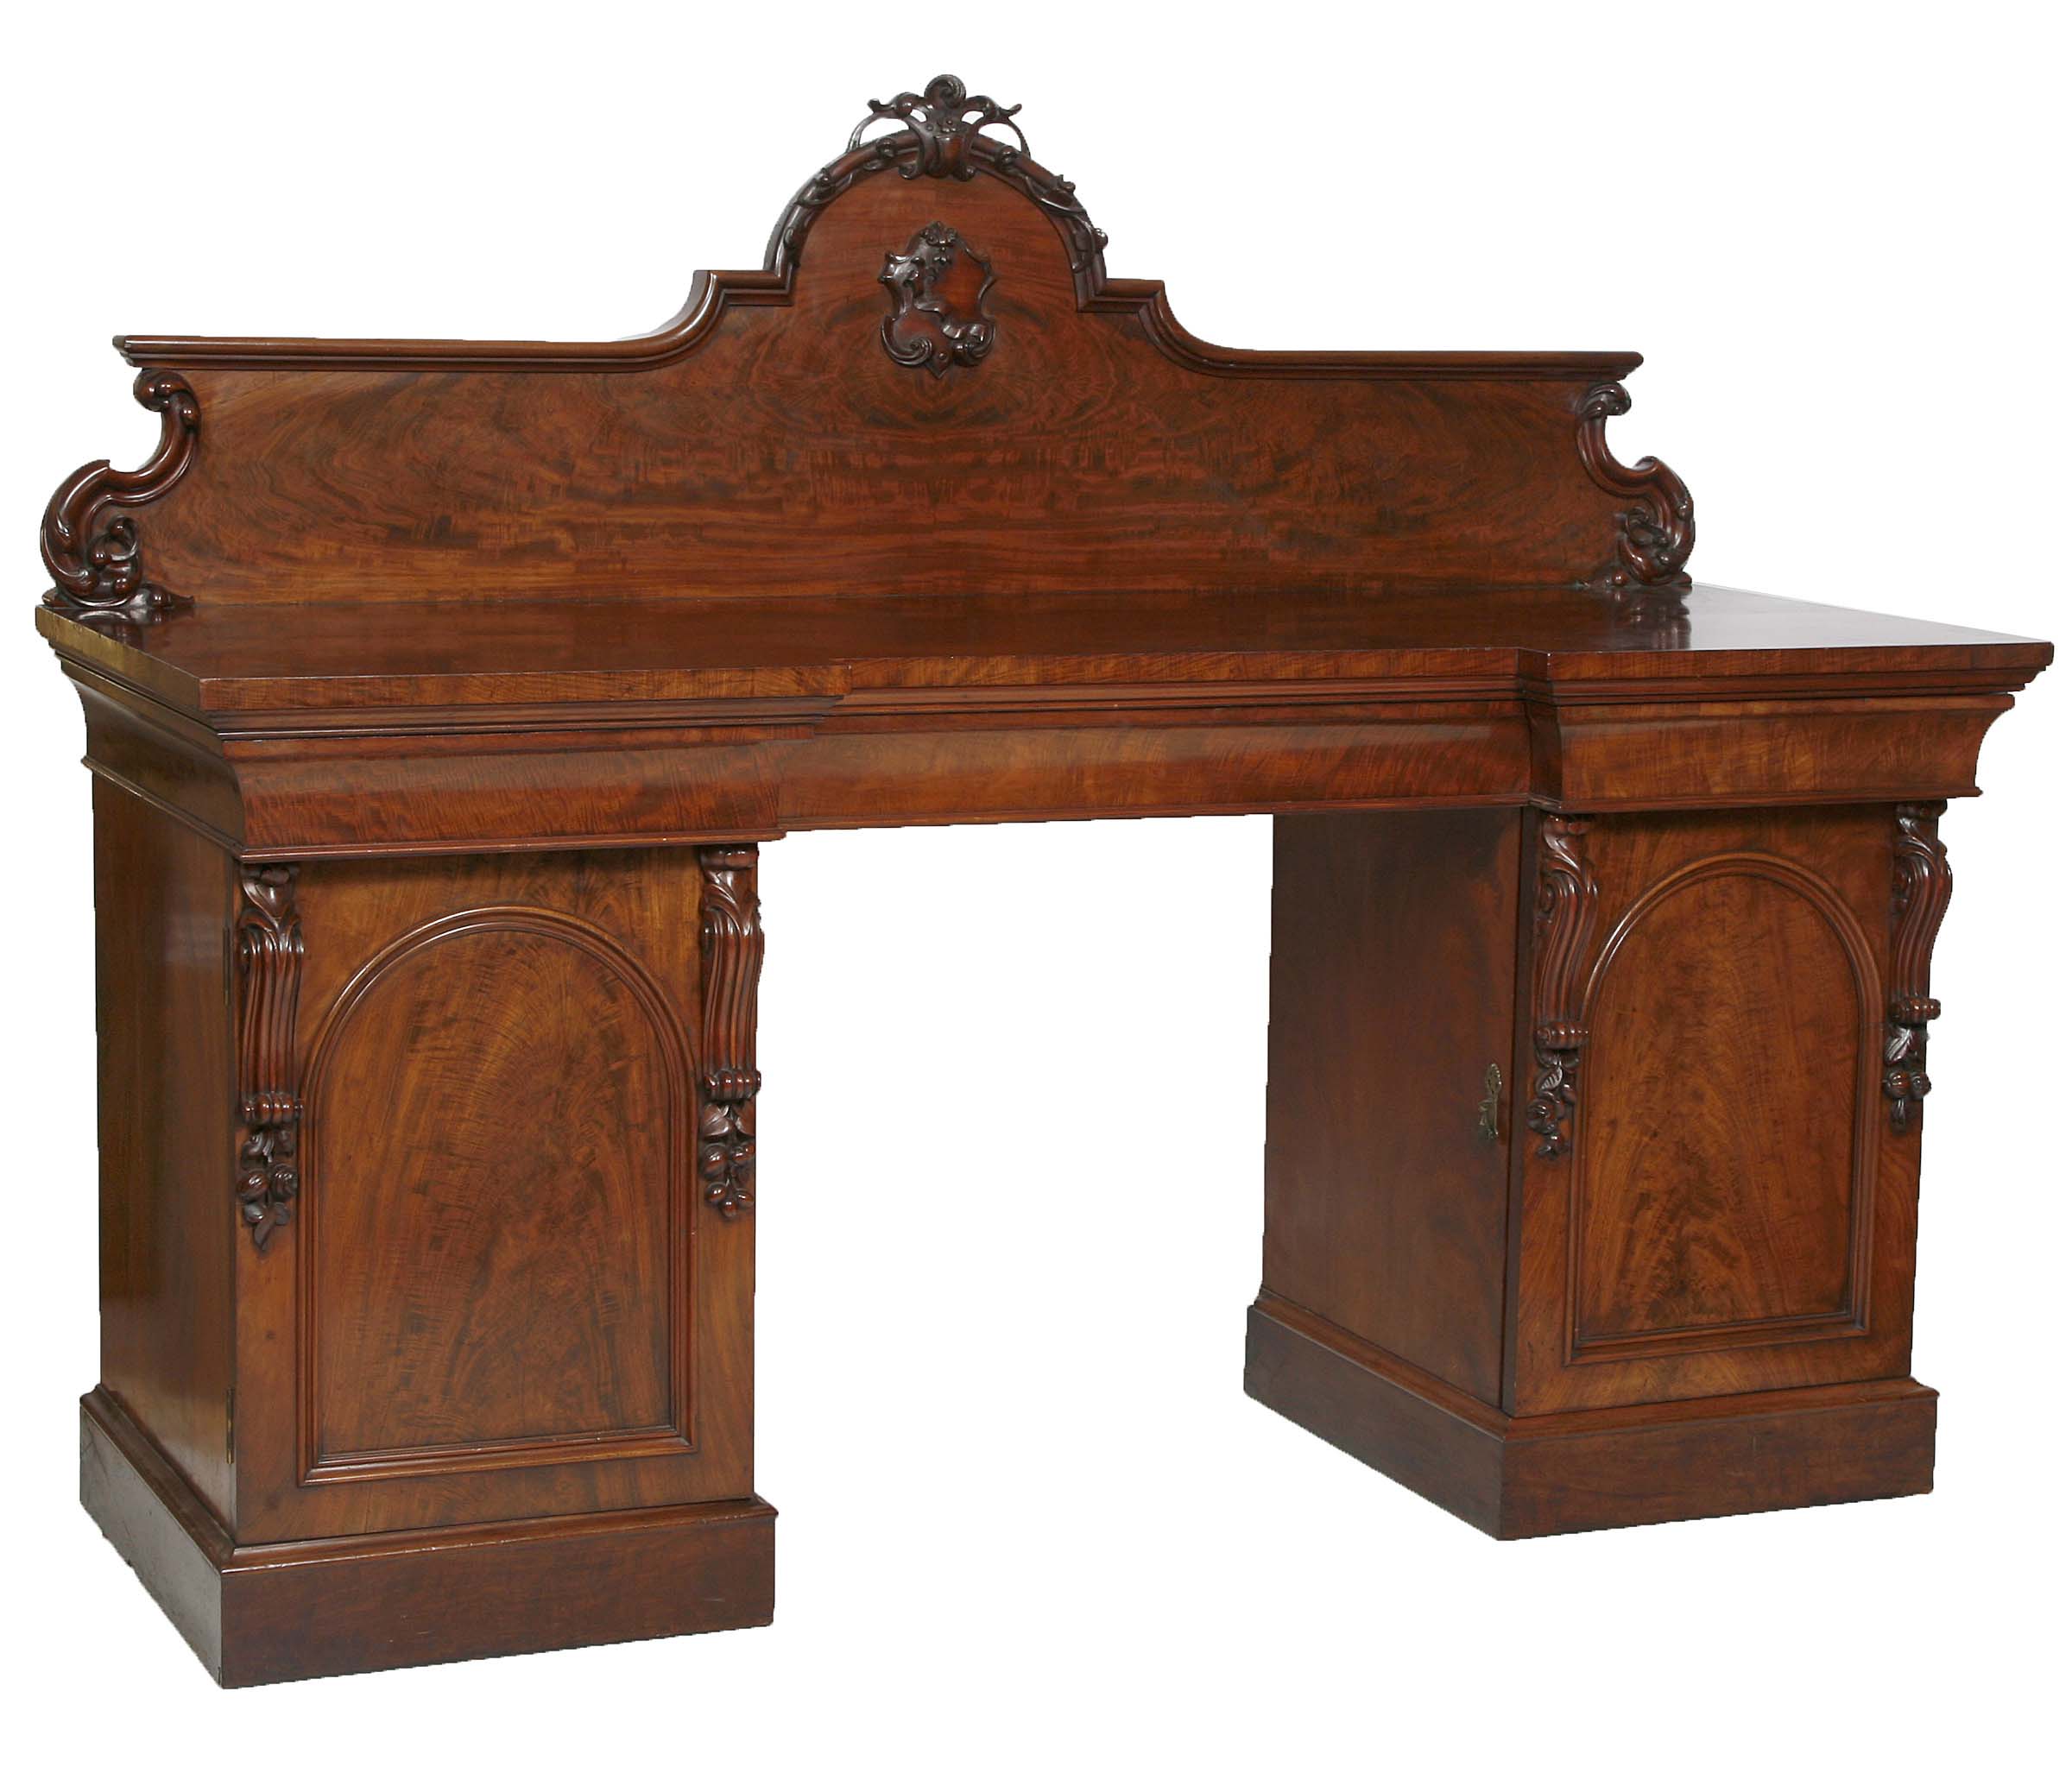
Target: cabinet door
(1715, 1197)
(499, 1291)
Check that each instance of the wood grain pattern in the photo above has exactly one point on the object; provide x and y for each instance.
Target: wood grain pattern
(256, 1614)
(1732, 1218)
(500, 1304)
(1385, 1203)
(1516, 1478)
(948, 709)
(1727, 1169)
(498, 1268)
(770, 440)
(426, 878)
(163, 981)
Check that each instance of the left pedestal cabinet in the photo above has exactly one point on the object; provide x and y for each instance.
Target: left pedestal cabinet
(426, 1187)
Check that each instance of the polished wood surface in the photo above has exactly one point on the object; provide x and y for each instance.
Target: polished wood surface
(256, 1614)
(1570, 1472)
(442, 700)
(772, 446)
(166, 1126)
(403, 729)
(502, 1294)
(354, 660)
(1387, 1167)
(1732, 1211)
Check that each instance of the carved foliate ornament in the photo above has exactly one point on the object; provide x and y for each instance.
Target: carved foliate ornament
(270, 978)
(1563, 919)
(1921, 886)
(731, 946)
(942, 119)
(938, 286)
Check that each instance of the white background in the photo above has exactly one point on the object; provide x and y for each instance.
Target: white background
(1010, 1192)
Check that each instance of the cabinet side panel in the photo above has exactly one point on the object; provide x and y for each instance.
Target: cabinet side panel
(162, 897)
(1394, 953)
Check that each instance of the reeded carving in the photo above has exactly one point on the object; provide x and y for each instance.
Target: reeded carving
(731, 920)
(92, 554)
(1646, 574)
(1565, 917)
(939, 319)
(1921, 886)
(939, 137)
(269, 972)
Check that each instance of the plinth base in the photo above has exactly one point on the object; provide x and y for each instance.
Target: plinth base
(311, 1607)
(1517, 1477)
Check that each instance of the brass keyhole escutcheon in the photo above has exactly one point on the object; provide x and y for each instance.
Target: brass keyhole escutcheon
(1488, 1120)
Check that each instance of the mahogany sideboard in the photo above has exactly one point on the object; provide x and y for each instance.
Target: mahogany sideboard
(441, 696)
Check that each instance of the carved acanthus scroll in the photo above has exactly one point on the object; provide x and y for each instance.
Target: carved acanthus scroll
(1564, 917)
(95, 561)
(731, 921)
(1921, 886)
(269, 974)
(1657, 532)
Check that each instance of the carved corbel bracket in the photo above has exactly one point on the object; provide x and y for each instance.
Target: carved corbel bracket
(91, 551)
(269, 977)
(1921, 886)
(730, 938)
(1564, 917)
(1645, 575)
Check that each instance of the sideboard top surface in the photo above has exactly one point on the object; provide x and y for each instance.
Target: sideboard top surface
(1488, 642)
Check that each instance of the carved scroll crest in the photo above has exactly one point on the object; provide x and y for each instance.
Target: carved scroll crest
(941, 136)
(730, 923)
(1921, 886)
(270, 975)
(1656, 533)
(939, 318)
(942, 119)
(1565, 917)
(90, 548)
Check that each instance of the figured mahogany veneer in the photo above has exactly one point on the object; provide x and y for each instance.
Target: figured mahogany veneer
(441, 696)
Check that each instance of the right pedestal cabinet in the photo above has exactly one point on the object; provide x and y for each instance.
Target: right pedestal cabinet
(1593, 1150)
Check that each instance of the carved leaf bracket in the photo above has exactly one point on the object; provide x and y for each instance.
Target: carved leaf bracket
(1564, 917)
(1921, 886)
(269, 969)
(90, 550)
(730, 923)
(1646, 574)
